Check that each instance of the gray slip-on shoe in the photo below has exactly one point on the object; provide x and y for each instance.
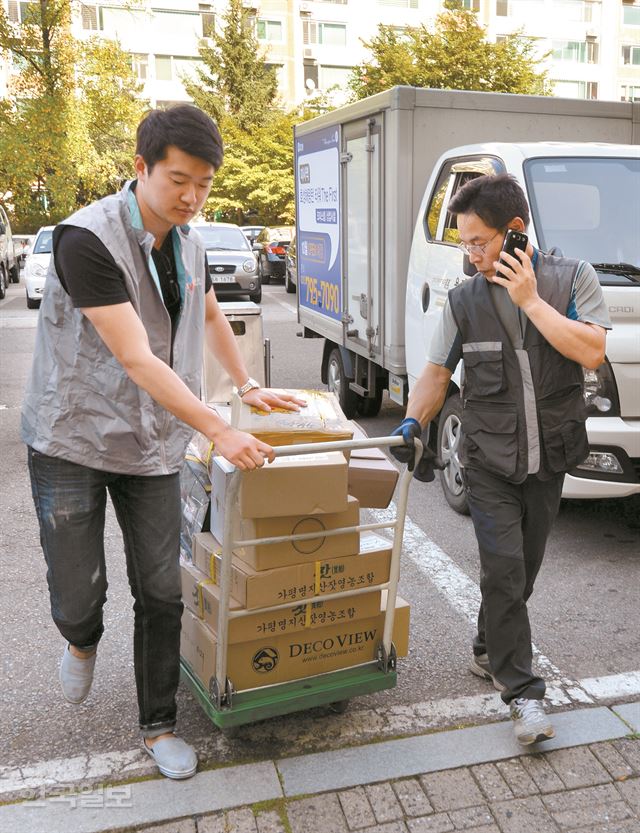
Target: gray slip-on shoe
(174, 758)
(76, 676)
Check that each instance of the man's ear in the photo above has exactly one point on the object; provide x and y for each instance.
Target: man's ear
(140, 166)
(517, 224)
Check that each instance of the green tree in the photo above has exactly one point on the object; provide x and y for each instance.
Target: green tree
(110, 93)
(256, 179)
(53, 151)
(455, 55)
(235, 79)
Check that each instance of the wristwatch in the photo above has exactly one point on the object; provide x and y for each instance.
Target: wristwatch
(250, 384)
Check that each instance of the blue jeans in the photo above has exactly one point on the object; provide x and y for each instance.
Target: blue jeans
(70, 502)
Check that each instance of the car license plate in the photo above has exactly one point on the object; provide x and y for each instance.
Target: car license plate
(223, 278)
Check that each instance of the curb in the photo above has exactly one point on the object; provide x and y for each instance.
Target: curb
(161, 799)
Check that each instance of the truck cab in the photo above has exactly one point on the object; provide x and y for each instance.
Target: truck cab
(585, 204)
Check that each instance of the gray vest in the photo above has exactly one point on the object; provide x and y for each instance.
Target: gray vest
(80, 404)
(523, 409)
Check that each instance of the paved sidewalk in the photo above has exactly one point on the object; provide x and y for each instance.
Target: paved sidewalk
(477, 779)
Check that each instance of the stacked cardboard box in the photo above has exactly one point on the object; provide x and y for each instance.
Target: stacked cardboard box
(302, 494)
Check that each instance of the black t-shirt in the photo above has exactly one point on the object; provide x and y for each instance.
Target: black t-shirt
(89, 274)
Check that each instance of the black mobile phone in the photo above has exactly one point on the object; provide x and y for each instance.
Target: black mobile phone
(513, 240)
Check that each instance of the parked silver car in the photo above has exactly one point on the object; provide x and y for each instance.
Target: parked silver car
(232, 265)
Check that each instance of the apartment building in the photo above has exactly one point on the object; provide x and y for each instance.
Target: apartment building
(594, 45)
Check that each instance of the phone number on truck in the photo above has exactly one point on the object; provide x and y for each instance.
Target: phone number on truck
(321, 294)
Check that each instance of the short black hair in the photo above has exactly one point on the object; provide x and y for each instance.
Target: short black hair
(184, 126)
(496, 199)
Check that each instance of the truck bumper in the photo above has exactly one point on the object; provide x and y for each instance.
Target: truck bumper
(615, 469)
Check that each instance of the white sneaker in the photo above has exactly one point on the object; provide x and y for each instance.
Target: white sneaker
(76, 676)
(531, 723)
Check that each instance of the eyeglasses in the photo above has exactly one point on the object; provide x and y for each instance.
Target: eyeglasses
(475, 249)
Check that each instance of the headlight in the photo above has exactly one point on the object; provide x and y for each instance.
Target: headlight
(38, 271)
(600, 393)
(249, 266)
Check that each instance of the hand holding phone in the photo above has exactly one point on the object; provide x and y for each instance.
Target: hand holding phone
(513, 240)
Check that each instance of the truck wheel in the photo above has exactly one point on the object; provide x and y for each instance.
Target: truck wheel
(289, 285)
(370, 407)
(339, 384)
(3, 283)
(449, 439)
(15, 274)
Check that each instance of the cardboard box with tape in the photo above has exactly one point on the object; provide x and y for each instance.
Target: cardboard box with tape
(315, 577)
(278, 658)
(372, 476)
(308, 484)
(322, 420)
(202, 596)
(288, 553)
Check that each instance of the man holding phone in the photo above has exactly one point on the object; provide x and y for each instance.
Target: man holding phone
(525, 325)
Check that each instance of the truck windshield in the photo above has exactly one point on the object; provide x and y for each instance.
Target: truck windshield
(589, 208)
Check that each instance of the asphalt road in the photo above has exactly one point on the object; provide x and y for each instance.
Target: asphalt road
(584, 611)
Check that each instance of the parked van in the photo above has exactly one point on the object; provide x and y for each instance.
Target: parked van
(377, 253)
(9, 268)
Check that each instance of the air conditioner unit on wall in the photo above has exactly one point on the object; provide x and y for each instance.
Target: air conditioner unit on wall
(309, 53)
(306, 9)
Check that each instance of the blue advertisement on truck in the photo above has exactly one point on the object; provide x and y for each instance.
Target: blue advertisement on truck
(317, 165)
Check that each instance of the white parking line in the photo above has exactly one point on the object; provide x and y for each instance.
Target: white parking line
(273, 297)
(463, 595)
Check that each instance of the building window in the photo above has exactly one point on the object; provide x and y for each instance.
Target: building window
(631, 55)
(576, 89)
(163, 68)
(89, 17)
(208, 24)
(502, 8)
(140, 66)
(471, 5)
(334, 77)
(329, 34)
(629, 92)
(269, 30)
(581, 52)
(19, 12)
(580, 11)
(630, 15)
(336, 2)
(404, 4)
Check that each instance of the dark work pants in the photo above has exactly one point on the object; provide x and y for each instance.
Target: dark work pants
(70, 503)
(512, 524)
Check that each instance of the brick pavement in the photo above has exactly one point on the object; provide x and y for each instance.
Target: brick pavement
(584, 789)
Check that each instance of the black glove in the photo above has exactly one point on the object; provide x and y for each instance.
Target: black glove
(410, 430)
(426, 465)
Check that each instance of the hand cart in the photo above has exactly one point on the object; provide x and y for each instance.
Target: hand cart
(228, 708)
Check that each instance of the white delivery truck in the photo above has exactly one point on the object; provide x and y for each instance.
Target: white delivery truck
(377, 248)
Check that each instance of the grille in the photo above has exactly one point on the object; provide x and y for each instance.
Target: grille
(222, 269)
